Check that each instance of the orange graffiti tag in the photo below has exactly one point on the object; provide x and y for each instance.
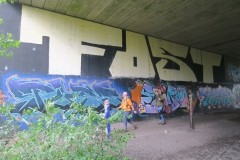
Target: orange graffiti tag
(2, 96)
(136, 93)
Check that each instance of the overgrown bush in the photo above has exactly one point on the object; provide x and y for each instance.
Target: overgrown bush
(75, 138)
(6, 41)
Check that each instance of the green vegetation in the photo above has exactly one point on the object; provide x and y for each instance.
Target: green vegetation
(6, 41)
(5, 1)
(75, 138)
(80, 136)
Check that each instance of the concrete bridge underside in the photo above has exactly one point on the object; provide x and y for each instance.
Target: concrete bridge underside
(210, 25)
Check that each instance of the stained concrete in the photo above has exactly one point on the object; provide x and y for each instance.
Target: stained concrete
(208, 25)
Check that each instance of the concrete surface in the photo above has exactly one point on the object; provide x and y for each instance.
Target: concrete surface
(208, 25)
(216, 137)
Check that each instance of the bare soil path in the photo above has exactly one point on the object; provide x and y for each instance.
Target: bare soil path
(216, 136)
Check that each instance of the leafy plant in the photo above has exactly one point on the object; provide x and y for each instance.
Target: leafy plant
(6, 41)
(75, 138)
(5, 1)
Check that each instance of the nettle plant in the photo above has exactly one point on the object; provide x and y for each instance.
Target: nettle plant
(75, 138)
(6, 41)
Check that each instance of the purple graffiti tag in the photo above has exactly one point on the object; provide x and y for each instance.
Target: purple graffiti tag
(177, 97)
(94, 93)
(147, 98)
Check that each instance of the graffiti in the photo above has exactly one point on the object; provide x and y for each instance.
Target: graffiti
(1, 97)
(28, 93)
(147, 97)
(100, 64)
(215, 97)
(138, 82)
(142, 109)
(175, 97)
(170, 61)
(181, 63)
(236, 95)
(190, 68)
(27, 119)
(23, 121)
(167, 66)
(234, 72)
(102, 51)
(31, 93)
(185, 96)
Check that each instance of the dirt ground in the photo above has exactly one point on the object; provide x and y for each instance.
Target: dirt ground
(216, 136)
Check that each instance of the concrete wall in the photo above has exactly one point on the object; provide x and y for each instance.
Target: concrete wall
(61, 56)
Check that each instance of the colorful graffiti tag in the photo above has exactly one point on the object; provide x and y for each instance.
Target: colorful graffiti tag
(234, 72)
(143, 93)
(215, 97)
(29, 93)
(236, 95)
(202, 96)
(3, 97)
(34, 92)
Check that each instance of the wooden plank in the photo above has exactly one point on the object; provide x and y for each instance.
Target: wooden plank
(75, 6)
(176, 10)
(87, 8)
(98, 9)
(119, 22)
(161, 7)
(109, 10)
(50, 5)
(62, 6)
(123, 9)
(38, 3)
(207, 12)
(27, 2)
